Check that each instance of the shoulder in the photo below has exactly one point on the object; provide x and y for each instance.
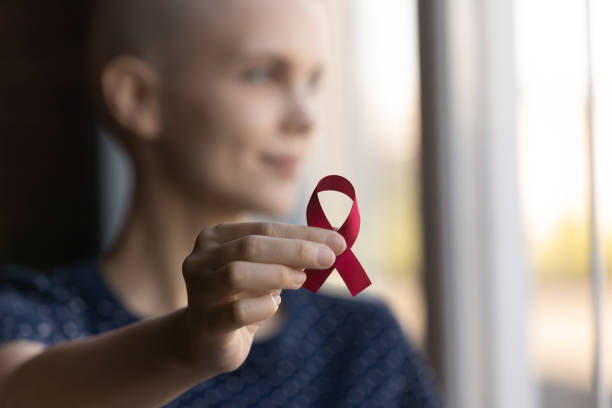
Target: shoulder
(23, 284)
(31, 300)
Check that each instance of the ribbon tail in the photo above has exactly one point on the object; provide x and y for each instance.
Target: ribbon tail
(352, 272)
(315, 278)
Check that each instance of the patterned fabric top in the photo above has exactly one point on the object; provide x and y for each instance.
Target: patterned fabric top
(332, 352)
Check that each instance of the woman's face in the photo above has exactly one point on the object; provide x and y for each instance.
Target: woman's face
(239, 114)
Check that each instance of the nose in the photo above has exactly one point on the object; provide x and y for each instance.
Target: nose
(299, 118)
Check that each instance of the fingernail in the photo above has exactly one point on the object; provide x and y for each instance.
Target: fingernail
(325, 257)
(337, 243)
(277, 299)
(299, 278)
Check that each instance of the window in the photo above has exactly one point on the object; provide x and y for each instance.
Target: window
(505, 102)
(552, 124)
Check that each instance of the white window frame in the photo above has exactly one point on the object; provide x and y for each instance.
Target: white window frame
(477, 277)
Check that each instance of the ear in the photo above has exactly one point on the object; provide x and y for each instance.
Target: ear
(130, 90)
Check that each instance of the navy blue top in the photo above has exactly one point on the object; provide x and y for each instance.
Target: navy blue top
(332, 352)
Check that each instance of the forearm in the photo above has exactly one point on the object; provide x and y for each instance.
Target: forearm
(135, 366)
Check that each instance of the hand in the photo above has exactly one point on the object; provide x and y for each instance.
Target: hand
(234, 277)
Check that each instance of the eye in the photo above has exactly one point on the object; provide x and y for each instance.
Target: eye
(258, 74)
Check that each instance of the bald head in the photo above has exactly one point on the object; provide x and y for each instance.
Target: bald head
(153, 31)
(158, 31)
(148, 29)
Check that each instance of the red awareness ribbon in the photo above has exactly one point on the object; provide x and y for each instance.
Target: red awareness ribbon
(346, 263)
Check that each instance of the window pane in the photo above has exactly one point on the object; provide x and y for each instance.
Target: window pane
(552, 69)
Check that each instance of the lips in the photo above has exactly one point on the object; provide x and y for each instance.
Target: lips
(285, 164)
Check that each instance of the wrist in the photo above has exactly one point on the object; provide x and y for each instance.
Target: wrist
(185, 352)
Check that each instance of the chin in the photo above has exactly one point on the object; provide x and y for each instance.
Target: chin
(276, 208)
(279, 204)
(270, 197)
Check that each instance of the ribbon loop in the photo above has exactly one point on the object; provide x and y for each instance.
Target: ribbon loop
(346, 263)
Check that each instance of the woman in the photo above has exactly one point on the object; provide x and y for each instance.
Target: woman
(215, 102)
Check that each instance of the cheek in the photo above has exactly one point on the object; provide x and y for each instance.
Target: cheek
(218, 138)
(239, 128)
(239, 175)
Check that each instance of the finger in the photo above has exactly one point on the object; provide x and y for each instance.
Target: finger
(295, 253)
(243, 312)
(240, 276)
(257, 293)
(243, 276)
(231, 231)
(253, 294)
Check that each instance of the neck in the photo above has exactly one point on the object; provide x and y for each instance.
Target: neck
(144, 266)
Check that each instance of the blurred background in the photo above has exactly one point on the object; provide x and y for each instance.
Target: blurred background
(463, 126)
